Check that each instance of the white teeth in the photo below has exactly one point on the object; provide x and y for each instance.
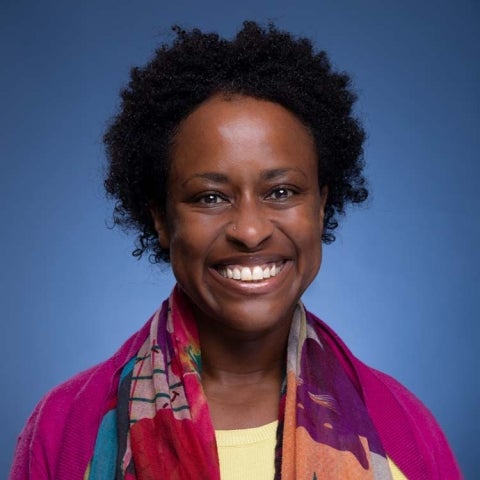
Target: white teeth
(257, 273)
(247, 274)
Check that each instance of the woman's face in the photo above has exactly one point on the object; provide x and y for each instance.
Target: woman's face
(244, 213)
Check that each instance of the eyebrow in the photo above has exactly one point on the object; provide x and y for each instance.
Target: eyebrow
(212, 176)
(222, 178)
(279, 172)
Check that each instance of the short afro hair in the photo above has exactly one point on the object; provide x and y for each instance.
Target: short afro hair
(263, 63)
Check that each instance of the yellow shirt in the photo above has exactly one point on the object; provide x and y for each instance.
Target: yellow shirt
(395, 471)
(250, 454)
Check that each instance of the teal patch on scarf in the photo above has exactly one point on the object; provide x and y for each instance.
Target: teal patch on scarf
(104, 459)
(196, 358)
(127, 368)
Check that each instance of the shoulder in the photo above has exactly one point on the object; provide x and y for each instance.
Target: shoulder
(60, 433)
(409, 432)
(50, 424)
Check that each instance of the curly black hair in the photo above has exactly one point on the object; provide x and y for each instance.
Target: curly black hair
(264, 63)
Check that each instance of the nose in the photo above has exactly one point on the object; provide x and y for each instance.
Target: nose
(250, 225)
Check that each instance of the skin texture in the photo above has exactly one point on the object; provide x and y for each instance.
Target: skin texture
(243, 191)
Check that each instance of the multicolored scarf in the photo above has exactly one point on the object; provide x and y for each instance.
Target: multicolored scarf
(160, 427)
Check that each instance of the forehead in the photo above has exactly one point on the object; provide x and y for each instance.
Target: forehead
(243, 129)
(226, 110)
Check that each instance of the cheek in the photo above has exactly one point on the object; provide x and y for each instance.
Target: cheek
(305, 224)
(190, 239)
(307, 236)
(184, 246)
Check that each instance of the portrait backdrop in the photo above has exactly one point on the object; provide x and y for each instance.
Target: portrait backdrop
(400, 285)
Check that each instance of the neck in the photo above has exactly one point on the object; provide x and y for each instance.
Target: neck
(242, 370)
(242, 378)
(238, 358)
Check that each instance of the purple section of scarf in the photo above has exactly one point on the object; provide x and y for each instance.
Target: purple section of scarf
(333, 412)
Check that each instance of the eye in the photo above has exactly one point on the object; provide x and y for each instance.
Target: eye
(280, 193)
(210, 199)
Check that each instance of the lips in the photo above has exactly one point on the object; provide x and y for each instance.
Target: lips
(245, 273)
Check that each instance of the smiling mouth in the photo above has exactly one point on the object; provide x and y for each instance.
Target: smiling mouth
(257, 273)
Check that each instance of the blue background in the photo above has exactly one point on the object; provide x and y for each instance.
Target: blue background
(401, 283)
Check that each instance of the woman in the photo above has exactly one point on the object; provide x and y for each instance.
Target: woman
(233, 160)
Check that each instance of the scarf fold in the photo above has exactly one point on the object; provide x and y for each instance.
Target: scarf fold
(162, 427)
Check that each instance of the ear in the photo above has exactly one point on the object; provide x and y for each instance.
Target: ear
(323, 201)
(161, 227)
